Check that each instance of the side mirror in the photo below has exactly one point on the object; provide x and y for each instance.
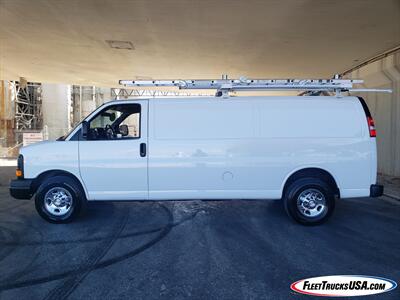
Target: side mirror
(124, 130)
(85, 129)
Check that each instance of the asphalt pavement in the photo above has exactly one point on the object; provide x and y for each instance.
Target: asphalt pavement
(191, 249)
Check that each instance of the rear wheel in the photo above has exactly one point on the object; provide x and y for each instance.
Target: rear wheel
(59, 199)
(309, 201)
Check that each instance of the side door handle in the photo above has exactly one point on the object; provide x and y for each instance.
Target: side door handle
(143, 149)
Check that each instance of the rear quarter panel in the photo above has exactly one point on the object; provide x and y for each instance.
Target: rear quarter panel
(323, 132)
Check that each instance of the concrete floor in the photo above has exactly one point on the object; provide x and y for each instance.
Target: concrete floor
(203, 250)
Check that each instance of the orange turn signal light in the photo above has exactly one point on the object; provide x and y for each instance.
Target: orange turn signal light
(18, 173)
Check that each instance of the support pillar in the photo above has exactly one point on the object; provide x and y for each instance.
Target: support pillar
(56, 109)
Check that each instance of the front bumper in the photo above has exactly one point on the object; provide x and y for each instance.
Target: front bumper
(376, 190)
(21, 188)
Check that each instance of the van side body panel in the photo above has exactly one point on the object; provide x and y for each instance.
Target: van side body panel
(237, 148)
(247, 147)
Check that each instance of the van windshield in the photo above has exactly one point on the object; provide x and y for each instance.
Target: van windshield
(63, 137)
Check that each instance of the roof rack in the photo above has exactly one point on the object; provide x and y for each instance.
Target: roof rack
(225, 85)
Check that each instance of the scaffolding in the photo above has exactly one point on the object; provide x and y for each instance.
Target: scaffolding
(24, 101)
(28, 106)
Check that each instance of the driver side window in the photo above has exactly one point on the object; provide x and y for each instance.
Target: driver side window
(132, 122)
(116, 122)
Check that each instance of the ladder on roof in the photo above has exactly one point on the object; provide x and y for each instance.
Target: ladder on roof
(225, 85)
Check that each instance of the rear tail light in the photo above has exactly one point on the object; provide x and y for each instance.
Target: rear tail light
(371, 127)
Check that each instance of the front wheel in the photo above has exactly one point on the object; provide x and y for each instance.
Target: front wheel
(59, 199)
(309, 201)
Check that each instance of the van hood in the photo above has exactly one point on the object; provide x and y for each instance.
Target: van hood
(36, 146)
(39, 144)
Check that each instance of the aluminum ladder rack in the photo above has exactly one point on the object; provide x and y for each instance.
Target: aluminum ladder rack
(225, 85)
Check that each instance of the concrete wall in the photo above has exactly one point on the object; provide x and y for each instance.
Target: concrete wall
(385, 108)
(86, 99)
(104, 95)
(56, 108)
(7, 108)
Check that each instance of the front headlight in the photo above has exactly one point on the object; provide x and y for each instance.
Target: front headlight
(20, 167)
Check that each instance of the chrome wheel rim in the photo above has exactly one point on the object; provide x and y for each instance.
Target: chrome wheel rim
(311, 203)
(58, 201)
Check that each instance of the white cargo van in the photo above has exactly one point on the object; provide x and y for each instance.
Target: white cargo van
(307, 151)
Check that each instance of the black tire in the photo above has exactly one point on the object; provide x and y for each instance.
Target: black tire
(295, 189)
(71, 188)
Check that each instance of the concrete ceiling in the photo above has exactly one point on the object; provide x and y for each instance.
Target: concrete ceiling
(65, 40)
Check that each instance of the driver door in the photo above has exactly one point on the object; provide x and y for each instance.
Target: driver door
(112, 161)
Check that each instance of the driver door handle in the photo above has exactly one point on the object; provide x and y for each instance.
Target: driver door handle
(143, 149)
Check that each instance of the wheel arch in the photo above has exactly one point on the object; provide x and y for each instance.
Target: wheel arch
(311, 172)
(50, 173)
